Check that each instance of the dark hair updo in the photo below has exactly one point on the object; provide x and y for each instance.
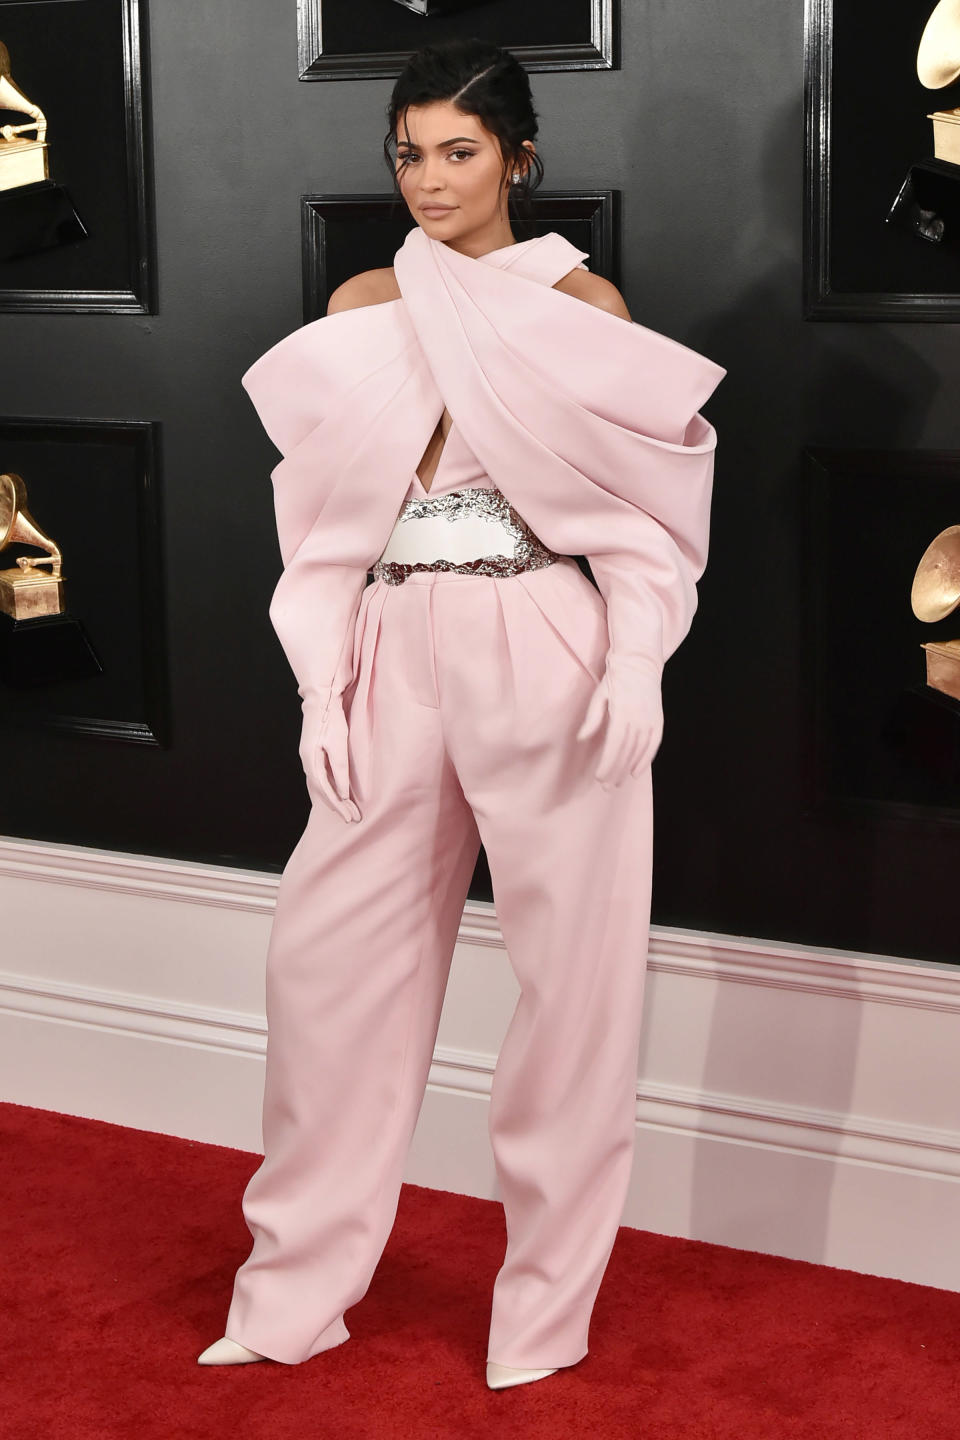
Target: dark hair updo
(484, 80)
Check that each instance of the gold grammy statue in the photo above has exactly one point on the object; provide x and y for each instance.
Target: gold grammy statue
(938, 65)
(27, 591)
(22, 161)
(935, 595)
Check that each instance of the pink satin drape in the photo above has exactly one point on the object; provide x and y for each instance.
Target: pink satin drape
(587, 423)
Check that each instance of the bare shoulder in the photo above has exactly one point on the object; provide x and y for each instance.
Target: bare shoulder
(583, 285)
(369, 287)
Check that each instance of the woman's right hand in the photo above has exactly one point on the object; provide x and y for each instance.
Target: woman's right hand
(324, 752)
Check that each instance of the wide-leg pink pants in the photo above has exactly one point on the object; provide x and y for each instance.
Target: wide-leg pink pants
(467, 696)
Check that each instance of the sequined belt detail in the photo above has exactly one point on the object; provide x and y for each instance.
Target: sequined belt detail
(486, 536)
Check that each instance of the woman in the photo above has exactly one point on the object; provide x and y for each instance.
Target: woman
(500, 398)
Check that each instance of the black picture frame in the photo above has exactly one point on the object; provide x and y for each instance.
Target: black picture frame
(882, 745)
(371, 39)
(866, 125)
(342, 235)
(86, 66)
(94, 487)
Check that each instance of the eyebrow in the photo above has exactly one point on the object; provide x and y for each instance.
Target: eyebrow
(471, 139)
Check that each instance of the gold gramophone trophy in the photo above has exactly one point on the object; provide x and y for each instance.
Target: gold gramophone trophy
(934, 596)
(938, 65)
(39, 642)
(35, 212)
(929, 199)
(22, 160)
(27, 591)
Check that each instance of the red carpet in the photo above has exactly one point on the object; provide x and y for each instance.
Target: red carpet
(119, 1248)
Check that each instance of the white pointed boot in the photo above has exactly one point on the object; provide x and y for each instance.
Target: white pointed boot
(500, 1376)
(227, 1352)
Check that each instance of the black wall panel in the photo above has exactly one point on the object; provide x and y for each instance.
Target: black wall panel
(701, 132)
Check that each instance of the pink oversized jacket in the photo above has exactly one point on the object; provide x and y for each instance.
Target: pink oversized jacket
(586, 422)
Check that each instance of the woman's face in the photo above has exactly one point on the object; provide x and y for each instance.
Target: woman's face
(452, 161)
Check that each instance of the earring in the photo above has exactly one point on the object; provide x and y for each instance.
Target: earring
(516, 176)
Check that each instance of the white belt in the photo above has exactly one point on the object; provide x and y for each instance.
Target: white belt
(475, 531)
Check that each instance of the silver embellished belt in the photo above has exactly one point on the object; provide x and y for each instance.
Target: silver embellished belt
(471, 532)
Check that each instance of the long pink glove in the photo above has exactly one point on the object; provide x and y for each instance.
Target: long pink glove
(651, 595)
(629, 689)
(324, 751)
(314, 626)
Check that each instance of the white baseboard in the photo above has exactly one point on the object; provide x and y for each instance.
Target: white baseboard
(789, 1099)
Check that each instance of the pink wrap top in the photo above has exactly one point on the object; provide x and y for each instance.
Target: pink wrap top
(587, 423)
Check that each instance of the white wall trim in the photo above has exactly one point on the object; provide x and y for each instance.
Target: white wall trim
(144, 1011)
(150, 878)
(846, 974)
(229, 1032)
(680, 1109)
(815, 970)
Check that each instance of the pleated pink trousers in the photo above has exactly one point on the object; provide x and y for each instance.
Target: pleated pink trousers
(467, 696)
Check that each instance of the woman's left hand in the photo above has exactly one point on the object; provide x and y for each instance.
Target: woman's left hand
(630, 690)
